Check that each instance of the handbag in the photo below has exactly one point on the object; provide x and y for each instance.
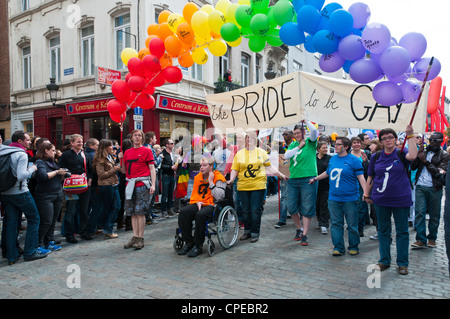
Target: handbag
(76, 184)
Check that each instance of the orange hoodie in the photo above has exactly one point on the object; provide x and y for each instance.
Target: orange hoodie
(201, 191)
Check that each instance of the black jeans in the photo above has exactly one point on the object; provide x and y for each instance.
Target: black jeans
(187, 215)
(72, 206)
(49, 206)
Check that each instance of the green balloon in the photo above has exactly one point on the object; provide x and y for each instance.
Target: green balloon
(256, 44)
(283, 12)
(244, 15)
(260, 6)
(260, 24)
(230, 32)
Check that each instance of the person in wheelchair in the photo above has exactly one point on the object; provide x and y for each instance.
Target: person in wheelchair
(209, 188)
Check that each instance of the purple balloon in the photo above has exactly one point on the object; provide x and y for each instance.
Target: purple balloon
(387, 93)
(369, 134)
(411, 90)
(351, 48)
(422, 67)
(365, 71)
(395, 60)
(331, 62)
(376, 38)
(361, 14)
(415, 43)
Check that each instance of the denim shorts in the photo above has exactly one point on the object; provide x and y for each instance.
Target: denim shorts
(301, 197)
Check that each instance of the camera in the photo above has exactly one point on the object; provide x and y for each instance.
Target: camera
(67, 174)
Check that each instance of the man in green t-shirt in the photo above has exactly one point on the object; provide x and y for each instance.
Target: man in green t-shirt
(301, 196)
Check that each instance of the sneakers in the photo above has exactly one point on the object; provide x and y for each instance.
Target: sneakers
(279, 225)
(431, 244)
(185, 249)
(254, 239)
(402, 270)
(337, 253)
(39, 254)
(374, 237)
(298, 235)
(304, 240)
(324, 230)
(418, 245)
(353, 252)
(111, 236)
(245, 236)
(195, 251)
(383, 266)
(52, 246)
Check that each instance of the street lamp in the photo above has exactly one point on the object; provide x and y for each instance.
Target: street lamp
(53, 88)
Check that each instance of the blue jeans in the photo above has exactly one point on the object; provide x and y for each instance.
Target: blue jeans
(428, 201)
(283, 201)
(447, 227)
(168, 186)
(339, 211)
(237, 202)
(252, 203)
(96, 210)
(384, 234)
(301, 197)
(111, 205)
(15, 205)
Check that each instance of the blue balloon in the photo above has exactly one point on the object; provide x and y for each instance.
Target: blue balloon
(308, 19)
(341, 23)
(318, 4)
(309, 44)
(326, 14)
(291, 34)
(298, 4)
(325, 42)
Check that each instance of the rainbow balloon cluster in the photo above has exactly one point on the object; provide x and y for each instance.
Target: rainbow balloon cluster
(344, 38)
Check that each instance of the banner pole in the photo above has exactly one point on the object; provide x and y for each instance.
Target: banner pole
(419, 98)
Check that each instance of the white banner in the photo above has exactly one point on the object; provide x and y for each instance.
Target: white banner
(288, 100)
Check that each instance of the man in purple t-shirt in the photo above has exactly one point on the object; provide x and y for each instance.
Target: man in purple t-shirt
(388, 187)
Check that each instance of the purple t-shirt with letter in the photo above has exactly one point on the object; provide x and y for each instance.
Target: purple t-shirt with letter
(391, 185)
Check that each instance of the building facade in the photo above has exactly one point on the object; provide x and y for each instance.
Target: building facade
(5, 114)
(72, 41)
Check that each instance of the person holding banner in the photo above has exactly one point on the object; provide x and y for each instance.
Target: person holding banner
(344, 171)
(301, 195)
(250, 165)
(389, 188)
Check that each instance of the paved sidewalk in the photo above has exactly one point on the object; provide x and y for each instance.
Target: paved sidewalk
(275, 267)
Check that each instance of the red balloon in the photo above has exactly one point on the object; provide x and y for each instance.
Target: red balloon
(173, 74)
(136, 83)
(149, 90)
(116, 107)
(131, 99)
(158, 80)
(434, 95)
(157, 47)
(145, 101)
(128, 76)
(121, 90)
(118, 118)
(151, 63)
(136, 67)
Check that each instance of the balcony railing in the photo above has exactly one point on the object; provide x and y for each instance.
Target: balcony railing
(224, 86)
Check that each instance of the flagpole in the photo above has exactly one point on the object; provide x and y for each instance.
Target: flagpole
(419, 98)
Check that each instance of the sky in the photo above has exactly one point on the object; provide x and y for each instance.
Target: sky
(431, 18)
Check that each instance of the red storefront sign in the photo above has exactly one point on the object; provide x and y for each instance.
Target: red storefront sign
(107, 76)
(171, 104)
(86, 107)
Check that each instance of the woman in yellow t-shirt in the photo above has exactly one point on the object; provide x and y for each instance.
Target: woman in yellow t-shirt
(250, 166)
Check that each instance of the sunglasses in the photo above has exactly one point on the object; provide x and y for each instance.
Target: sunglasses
(436, 140)
(387, 138)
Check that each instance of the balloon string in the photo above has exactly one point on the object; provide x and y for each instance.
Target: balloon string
(137, 95)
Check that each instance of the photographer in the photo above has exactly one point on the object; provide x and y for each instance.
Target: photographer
(48, 194)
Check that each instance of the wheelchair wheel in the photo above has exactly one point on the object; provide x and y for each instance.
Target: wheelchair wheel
(178, 243)
(211, 248)
(227, 227)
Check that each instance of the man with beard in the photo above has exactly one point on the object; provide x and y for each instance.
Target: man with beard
(429, 185)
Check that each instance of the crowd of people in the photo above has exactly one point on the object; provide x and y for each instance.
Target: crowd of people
(344, 183)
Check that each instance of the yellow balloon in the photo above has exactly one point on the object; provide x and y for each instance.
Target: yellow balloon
(207, 8)
(222, 5)
(200, 56)
(174, 20)
(235, 43)
(127, 54)
(230, 15)
(244, 2)
(201, 41)
(218, 48)
(199, 23)
(216, 20)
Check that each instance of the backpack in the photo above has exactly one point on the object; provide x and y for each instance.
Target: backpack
(402, 158)
(6, 175)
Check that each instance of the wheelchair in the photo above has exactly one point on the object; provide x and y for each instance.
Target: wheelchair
(224, 223)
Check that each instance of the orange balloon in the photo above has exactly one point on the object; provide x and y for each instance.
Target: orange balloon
(166, 60)
(185, 59)
(164, 31)
(150, 38)
(173, 45)
(143, 52)
(185, 33)
(163, 16)
(189, 10)
(153, 29)
(216, 36)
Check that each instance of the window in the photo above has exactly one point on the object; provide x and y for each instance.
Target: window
(55, 58)
(26, 65)
(296, 66)
(57, 132)
(122, 37)
(25, 5)
(197, 72)
(245, 70)
(224, 63)
(87, 51)
(258, 69)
